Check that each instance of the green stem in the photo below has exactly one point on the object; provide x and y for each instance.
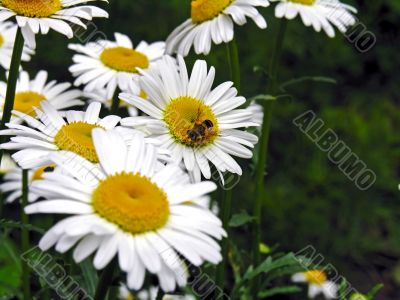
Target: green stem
(105, 280)
(25, 235)
(115, 102)
(160, 294)
(263, 149)
(12, 83)
(226, 203)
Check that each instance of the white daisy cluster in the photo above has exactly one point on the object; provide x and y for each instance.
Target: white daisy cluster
(134, 189)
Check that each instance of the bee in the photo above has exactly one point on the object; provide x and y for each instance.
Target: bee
(48, 169)
(198, 132)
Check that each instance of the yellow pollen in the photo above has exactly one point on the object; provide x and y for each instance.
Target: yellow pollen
(186, 116)
(77, 137)
(132, 202)
(304, 2)
(26, 101)
(124, 59)
(315, 277)
(38, 173)
(33, 8)
(204, 10)
(1, 40)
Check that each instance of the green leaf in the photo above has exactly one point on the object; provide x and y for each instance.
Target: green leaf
(241, 219)
(279, 290)
(11, 224)
(374, 291)
(342, 289)
(90, 276)
(322, 79)
(10, 271)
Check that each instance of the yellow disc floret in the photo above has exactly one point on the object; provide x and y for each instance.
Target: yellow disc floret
(304, 2)
(124, 59)
(77, 137)
(315, 277)
(26, 101)
(204, 10)
(33, 8)
(191, 122)
(1, 40)
(132, 202)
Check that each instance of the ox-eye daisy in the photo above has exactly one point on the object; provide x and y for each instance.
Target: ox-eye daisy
(7, 38)
(320, 14)
(125, 207)
(34, 16)
(30, 93)
(197, 124)
(12, 182)
(317, 283)
(213, 21)
(51, 133)
(113, 64)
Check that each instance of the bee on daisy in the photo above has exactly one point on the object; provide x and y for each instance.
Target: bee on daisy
(126, 207)
(196, 123)
(320, 14)
(212, 21)
(55, 131)
(12, 181)
(318, 283)
(8, 31)
(30, 92)
(34, 16)
(113, 64)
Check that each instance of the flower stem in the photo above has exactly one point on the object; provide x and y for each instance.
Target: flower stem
(115, 102)
(105, 280)
(263, 148)
(226, 203)
(160, 294)
(12, 83)
(25, 235)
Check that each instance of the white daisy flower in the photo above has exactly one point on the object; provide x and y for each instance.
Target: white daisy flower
(34, 16)
(113, 64)
(320, 14)
(213, 21)
(30, 93)
(317, 284)
(12, 182)
(52, 133)
(104, 97)
(150, 294)
(124, 207)
(7, 164)
(197, 124)
(8, 31)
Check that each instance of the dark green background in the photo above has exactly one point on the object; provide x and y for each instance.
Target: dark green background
(308, 199)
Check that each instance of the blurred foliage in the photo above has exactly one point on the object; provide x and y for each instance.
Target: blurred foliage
(308, 200)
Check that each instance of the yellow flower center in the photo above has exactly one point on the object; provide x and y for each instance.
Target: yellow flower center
(26, 101)
(191, 122)
(33, 8)
(315, 277)
(38, 173)
(132, 202)
(1, 40)
(77, 137)
(304, 2)
(204, 10)
(124, 59)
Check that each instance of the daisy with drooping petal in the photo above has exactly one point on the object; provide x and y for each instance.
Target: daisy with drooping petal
(317, 283)
(320, 14)
(213, 21)
(30, 93)
(52, 133)
(113, 64)
(34, 16)
(7, 38)
(125, 207)
(196, 123)
(12, 182)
